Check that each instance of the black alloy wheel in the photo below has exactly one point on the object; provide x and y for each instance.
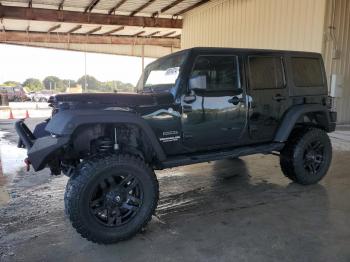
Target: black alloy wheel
(116, 200)
(313, 157)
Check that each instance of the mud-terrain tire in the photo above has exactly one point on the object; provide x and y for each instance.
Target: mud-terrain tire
(307, 155)
(102, 192)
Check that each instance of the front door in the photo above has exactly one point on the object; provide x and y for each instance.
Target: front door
(214, 113)
(267, 94)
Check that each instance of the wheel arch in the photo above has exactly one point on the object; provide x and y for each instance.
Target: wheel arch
(317, 115)
(65, 123)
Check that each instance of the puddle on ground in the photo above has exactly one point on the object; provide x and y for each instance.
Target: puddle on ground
(11, 161)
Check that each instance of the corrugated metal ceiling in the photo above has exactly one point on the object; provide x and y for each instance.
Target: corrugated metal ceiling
(103, 6)
(13, 25)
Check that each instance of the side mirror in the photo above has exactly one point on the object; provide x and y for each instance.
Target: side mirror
(198, 83)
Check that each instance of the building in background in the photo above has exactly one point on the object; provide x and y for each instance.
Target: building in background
(74, 89)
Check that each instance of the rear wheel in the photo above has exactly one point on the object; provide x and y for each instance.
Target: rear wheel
(307, 156)
(111, 198)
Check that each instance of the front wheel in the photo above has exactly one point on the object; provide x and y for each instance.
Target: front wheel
(307, 156)
(111, 198)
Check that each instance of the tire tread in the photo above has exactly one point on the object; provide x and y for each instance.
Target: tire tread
(79, 180)
(287, 156)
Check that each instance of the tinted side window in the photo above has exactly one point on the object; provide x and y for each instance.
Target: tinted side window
(307, 71)
(266, 72)
(221, 72)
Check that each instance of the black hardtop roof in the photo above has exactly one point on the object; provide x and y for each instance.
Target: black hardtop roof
(218, 50)
(247, 50)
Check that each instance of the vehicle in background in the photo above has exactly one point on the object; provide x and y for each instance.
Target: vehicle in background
(14, 93)
(42, 96)
(31, 95)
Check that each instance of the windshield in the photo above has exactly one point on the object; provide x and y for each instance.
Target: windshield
(161, 75)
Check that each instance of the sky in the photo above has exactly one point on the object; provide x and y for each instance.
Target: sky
(18, 63)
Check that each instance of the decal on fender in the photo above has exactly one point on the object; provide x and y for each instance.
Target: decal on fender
(169, 139)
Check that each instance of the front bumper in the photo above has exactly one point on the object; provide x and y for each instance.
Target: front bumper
(40, 150)
(26, 137)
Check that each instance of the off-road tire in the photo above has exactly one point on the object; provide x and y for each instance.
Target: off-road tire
(81, 183)
(292, 155)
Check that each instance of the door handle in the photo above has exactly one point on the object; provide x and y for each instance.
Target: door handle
(278, 97)
(235, 100)
(186, 109)
(190, 98)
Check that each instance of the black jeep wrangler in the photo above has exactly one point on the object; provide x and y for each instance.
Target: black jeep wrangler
(193, 106)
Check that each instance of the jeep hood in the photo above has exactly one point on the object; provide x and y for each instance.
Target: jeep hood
(112, 99)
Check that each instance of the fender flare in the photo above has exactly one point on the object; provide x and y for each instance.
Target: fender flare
(291, 117)
(64, 123)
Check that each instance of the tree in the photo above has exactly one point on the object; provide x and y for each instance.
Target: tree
(33, 84)
(92, 83)
(53, 82)
(116, 86)
(12, 83)
(69, 83)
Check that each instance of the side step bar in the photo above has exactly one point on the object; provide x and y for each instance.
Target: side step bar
(222, 154)
(26, 137)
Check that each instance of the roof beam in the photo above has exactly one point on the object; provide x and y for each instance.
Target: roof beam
(75, 28)
(169, 34)
(93, 30)
(153, 34)
(51, 15)
(114, 30)
(139, 33)
(116, 6)
(191, 7)
(55, 27)
(166, 8)
(141, 7)
(91, 6)
(23, 37)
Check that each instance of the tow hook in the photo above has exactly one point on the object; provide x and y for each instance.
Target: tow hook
(27, 162)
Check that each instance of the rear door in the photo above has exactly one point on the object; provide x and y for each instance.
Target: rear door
(267, 94)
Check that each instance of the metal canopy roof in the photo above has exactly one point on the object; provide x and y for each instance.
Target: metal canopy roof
(163, 8)
(57, 23)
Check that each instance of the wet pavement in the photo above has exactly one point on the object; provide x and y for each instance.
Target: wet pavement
(228, 210)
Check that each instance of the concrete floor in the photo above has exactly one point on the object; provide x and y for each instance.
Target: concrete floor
(228, 210)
